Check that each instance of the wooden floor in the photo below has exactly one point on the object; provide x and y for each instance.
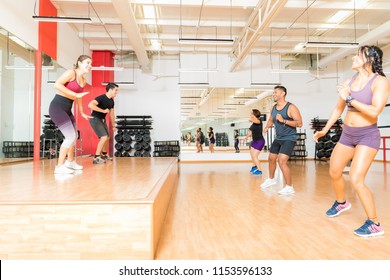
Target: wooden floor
(217, 211)
(106, 211)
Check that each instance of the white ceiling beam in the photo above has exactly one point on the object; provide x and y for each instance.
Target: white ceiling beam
(265, 11)
(211, 3)
(369, 38)
(291, 4)
(129, 24)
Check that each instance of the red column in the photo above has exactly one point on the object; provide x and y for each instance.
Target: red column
(47, 42)
(90, 140)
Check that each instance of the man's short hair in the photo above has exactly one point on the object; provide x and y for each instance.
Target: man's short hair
(282, 88)
(111, 86)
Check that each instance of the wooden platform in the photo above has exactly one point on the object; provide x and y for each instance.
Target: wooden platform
(107, 211)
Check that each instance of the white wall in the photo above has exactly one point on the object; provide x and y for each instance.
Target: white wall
(16, 17)
(159, 99)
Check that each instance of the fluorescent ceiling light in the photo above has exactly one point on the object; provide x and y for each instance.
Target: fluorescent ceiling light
(234, 104)
(339, 16)
(227, 109)
(290, 71)
(299, 46)
(331, 45)
(191, 97)
(265, 85)
(197, 70)
(149, 11)
(61, 19)
(200, 41)
(119, 83)
(244, 97)
(107, 68)
(26, 67)
(193, 84)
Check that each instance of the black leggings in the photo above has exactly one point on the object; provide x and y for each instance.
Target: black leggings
(236, 145)
(60, 112)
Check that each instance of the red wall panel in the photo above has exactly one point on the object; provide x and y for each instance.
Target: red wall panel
(89, 138)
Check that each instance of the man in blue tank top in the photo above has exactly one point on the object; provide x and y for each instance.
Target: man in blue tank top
(286, 118)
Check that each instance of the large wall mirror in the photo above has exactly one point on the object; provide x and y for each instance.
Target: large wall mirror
(17, 95)
(223, 109)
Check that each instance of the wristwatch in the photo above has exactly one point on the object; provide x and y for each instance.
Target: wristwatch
(348, 100)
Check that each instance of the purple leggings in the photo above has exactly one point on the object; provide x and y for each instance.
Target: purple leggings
(365, 135)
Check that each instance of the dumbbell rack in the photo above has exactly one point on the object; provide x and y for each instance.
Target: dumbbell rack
(325, 145)
(299, 150)
(133, 136)
(166, 148)
(51, 139)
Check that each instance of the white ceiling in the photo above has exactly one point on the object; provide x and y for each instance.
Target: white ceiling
(255, 26)
(265, 26)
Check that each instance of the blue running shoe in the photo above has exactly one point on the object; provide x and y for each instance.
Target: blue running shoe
(257, 172)
(338, 208)
(253, 168)
(369, 229)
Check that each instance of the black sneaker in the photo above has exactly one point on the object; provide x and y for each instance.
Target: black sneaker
(98, 160)
(106, 157)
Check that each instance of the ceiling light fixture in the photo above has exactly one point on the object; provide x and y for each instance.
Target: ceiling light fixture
(26, 67)
(119, 83)
(193, 84)
(201, 41)
(62, 19)
(191, 70)
(107, 68)
(245, 97)
(289, 71)
(265, 85)
(331, 45)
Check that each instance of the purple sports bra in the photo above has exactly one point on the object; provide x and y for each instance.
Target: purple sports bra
(74, 85)
(364, 95)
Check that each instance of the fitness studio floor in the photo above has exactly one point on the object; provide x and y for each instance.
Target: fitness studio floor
(218, 211)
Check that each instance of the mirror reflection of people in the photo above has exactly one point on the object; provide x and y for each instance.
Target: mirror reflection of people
(70, 88)
(189, 138)
(256, 132)
(236, 141)
(364, 96)
(212, 140)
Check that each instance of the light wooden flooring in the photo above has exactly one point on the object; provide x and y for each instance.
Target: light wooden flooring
(219, 212)
(106, 211)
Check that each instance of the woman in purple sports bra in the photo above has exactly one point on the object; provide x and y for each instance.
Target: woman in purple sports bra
(365, 96)
(69, 86)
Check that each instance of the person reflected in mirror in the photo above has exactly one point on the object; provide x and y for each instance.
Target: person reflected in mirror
(236, 141)
(211, 140)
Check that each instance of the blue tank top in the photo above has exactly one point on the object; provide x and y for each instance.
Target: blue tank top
(283, 132)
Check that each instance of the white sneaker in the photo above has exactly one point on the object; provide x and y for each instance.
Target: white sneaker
(62, 169)
(269, 182)
(73, 165)
(286, 190)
